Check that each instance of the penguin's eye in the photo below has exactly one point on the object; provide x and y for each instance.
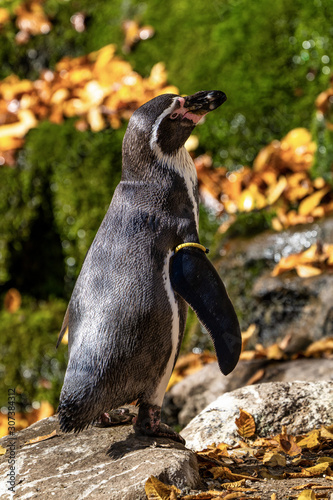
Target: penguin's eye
(173, 116)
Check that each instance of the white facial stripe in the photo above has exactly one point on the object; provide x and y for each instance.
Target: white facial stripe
(181, 162)
(166, 112)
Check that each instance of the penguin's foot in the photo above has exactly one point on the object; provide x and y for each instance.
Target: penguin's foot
(148, 422)
(120, 416)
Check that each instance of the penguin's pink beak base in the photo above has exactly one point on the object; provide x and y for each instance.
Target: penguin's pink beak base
(196, 106)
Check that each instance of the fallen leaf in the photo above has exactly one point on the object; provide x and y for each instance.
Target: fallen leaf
(41, 438)
(225, 473)
(327, 432)
(307, 495)
(2, 450)
(256, 377)
(311, 440)
(274, 459)
(288, 445)
(316, 470)
(156, 490)
(307, 271)
(307, 485)
(324, 460)
(316, 349)
(312, 201)
(12, 300)
(246, 426)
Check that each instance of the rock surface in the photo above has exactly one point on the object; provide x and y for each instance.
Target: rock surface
(110, 463)
(300, 406)
(189, 397)
(286, 303)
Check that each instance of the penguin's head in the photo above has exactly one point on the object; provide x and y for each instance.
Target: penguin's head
(162, 125)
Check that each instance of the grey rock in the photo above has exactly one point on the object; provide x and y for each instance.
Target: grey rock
(286, 303)
(110, 463)
(300, 406)
(190, 396)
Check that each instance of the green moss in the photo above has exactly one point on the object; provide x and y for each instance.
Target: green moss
(29, 360)
(249, 224)
(52, 204)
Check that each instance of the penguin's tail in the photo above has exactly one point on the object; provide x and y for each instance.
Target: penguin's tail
(72, 417)
(79, 404)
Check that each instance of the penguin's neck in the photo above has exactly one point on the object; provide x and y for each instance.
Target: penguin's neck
(182, 164)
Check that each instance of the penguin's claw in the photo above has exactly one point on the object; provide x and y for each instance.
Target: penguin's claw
(148, 423)
(120, 416)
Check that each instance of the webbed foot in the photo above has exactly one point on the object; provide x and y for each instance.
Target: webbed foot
(148, 422)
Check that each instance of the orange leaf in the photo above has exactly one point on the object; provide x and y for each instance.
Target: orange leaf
(156, 490)
(310, 441)
(274, 459)
(310, 202)
(307, 271)
(12, 301)
(41, 438)
(288, 445)
(246, 424)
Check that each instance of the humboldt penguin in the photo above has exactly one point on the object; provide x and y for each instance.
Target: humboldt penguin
(127, 313)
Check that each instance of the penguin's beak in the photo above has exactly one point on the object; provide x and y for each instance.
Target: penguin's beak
(196, 106)
(204, 101)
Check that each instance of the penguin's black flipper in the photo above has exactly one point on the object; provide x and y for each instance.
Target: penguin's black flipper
(195, 279)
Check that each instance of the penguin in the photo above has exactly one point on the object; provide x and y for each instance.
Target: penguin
(127, 313)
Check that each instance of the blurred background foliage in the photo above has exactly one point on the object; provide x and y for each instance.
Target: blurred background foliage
(272, 59)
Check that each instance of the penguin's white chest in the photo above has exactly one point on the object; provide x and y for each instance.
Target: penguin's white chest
(174, 325)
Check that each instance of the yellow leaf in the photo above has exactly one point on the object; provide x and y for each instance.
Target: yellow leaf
(304, 271)
(322, 460)
(327, 432)
(225, 473)
(316, 470)
(274, 459)
(307, 485)
(2, 450)
(4, 16)
(297, 137)
(156, 490)
(41, 438)
(275, 191)
(307, 495)
(248, 334)
(274, 352)
(233, 485)
(310, 441)
(246, 201)
(256, 377)
(246, 424)
(310, 202)
(318, 347)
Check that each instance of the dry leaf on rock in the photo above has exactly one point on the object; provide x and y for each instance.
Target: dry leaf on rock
(156, 490)
(246, 426)
(41, 438)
